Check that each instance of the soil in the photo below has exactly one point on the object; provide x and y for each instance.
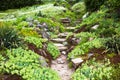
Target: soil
(62, 68)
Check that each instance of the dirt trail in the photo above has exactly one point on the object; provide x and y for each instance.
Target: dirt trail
(61, 64)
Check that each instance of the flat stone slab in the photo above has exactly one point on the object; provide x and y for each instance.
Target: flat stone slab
(77, 61)
(70, 28)
(59, 40)
(63, 35)
(62, 48)
(58, 45)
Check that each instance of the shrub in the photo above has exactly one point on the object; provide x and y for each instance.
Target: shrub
(84, 48)
(52, 25)
(78, 7)
(27, 64)
(92, 70)
(112, 44)
(28, 32)
(93, 5)
(7, 4)
(53, 50)
(36, 41)
(9, 37)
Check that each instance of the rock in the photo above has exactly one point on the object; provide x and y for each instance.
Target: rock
(70, 28)
(36, 22)
(59, 40)
(31, 24)
(76, 62)
(90, 55)
(65, 20)
(29, 19)
(43, 61)
(62, 48)
(39, 25)
(45, 25)
(95, 27)
(63, 52)
(63, 35)
(85, 15)
(60, 61)
(58, 45)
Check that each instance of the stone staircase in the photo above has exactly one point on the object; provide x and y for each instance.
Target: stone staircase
(61, 64)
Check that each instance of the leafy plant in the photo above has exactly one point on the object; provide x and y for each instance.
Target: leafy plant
(53, 50)
(9, 37)
(28, 32)
(112, 44)
(92, 70)
(93, 5)
(84, 48)
(36, 41)
(52, 25)
(27, 64)
(79, 8)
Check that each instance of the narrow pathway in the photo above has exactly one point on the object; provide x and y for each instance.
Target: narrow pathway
(61, 64)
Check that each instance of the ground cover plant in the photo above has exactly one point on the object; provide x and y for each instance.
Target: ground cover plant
(39, 40)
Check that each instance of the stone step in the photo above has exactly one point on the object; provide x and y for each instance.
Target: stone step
(65, 20)
(70, 28)
(64, 48)
(59, 45)
(59, 40)
(62, 35)
(76, 62)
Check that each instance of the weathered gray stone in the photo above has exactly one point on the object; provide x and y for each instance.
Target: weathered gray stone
(95, 27)
(77, 61)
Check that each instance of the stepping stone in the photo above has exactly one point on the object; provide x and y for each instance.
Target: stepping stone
(65, 20)
(60, 61)
(58, 45)
(59, 40)
(76, 62)
(70, 28)
(62, 35)
(62, 48)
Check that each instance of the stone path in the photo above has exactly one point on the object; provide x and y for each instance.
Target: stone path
(60, 65)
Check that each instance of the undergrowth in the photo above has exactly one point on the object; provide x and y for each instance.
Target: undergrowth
(27, 64)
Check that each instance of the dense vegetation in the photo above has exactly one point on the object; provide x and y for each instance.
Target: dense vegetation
(26, 48)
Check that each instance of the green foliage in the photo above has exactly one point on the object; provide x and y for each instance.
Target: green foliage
(93, 19)
(36, 41)
(9, 37)
(28, 32)
(93, 5)
(92, 70)
(50, 10)
(52, 25)
(79, 8)
(114, 4)
(85, 36)
(112, 44)
(84, 48)
(7, 4)
(27, 64)
(53, 50)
